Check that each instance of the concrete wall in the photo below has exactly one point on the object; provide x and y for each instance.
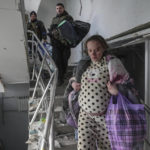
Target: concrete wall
(13, 58)
(15, 76)
(109, 17)
(14, 116)
(31, 5)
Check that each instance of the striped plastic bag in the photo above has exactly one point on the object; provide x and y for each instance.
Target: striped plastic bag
(126, 124)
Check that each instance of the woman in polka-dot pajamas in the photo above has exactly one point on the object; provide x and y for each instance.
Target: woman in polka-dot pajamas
(92, 74)
(93, 99)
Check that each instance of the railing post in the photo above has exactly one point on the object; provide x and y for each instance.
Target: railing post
(48, 133)
(147, 87)
(32, 47)
(51, 137)
(38, 78)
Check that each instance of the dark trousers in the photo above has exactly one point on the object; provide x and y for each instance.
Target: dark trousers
(60, 55)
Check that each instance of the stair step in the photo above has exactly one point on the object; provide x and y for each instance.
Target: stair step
(40, 112)
(37, 93)
(60, 90)
(58, 109)
(32, 89)
(63, 129)
(32, 83)
(32, 147)
(68, 147)
(58, 97)
(65, 141)
(58, 101)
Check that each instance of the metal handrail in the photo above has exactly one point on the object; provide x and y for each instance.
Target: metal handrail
(131, 31)
(40, 102)
(43, 143)
(147, 110)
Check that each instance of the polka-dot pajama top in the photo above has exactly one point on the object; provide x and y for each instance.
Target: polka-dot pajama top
(93, 100)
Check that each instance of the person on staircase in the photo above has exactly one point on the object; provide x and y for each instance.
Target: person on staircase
(61, 50)
(37, 26)
(99, 75)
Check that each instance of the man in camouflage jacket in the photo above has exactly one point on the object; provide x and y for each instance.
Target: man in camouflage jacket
(37, 27)
(61, 50)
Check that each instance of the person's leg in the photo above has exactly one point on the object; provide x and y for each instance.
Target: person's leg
(86, 139)
(66, 56)
(57, 57)
(100, 129)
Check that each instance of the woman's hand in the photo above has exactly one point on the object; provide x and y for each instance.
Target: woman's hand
(76, 86)
(112, 88)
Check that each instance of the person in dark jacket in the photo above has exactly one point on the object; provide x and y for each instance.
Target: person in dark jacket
(37, 26)
(61, 49)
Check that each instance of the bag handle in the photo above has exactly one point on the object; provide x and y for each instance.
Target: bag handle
(113, 99)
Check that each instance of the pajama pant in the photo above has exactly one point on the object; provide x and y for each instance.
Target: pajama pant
(92, 132)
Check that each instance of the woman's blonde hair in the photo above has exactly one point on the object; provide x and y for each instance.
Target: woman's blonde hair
(97, 38)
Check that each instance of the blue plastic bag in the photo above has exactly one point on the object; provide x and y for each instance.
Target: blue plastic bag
(48, 47)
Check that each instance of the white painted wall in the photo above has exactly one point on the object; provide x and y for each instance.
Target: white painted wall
(13, 59)
(109, 17)
(31, 5)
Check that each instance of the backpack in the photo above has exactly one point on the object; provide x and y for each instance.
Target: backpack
(74, 108)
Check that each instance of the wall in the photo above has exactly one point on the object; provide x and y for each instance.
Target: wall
(15, 76)
(13, 59)
(14, 116)
(31, 5)
(109, 18)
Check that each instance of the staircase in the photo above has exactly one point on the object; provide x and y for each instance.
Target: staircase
(43, 79)
(47, 127)
(64, 134)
